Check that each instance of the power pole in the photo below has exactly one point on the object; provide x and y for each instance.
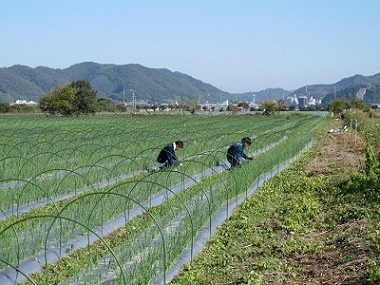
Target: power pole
(133, 99)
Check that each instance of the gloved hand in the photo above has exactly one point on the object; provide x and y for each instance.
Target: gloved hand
(249, 158)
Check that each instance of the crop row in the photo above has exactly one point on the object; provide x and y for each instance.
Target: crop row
(115, 185)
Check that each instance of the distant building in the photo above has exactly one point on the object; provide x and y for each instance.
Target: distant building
(312, 101)
(253, 105)
(302, 101)
(291, 100)
(24, 102)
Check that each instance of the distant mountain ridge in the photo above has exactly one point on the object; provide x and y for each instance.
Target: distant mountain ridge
(118, 82)
(346, 88)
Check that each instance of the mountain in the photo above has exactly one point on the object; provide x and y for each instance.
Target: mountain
(370, 93)
(366, 88)
(119, 82)
(345, 88)
(116, 82)
(263, 95)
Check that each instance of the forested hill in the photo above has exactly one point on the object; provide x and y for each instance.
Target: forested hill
(365, 87)
(357, 86)
(116, 82)
(362, 87)
(119, 82)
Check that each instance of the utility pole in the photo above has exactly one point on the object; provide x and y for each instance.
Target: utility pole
(133, 99)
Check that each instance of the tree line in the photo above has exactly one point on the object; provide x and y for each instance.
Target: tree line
(79, 98)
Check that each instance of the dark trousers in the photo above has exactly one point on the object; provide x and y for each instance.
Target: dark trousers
(234, 162)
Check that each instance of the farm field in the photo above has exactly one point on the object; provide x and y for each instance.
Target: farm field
(316, 222)
(79, 206)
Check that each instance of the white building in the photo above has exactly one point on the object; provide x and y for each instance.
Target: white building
(292, 100)
(24, 102)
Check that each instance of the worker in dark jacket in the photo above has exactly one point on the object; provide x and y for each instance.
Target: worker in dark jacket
(235, 153)
(167, 156)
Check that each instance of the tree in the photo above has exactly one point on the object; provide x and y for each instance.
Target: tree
(85, 98)
(4, 107)
(337, 106)
(75, 98)
(270, 107)
(243, 105)
(23, 108)
(359, 104)
(121, 107)
(232, 108)
(192, 106)
(106, 105)
(59, 101)
(281, 105)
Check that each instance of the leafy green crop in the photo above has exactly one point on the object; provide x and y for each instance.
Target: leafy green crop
(67, 179)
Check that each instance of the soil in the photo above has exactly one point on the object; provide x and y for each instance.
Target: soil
(341, 151)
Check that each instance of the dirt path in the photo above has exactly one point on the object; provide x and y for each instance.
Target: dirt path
(341, 151)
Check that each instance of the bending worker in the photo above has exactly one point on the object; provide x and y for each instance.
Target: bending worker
(235, 153)
(167, 156)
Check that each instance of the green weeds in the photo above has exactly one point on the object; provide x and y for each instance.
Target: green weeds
(298, 229)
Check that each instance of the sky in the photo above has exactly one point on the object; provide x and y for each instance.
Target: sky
(235, 45)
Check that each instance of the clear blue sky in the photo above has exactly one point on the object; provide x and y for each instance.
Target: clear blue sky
(235, 45)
